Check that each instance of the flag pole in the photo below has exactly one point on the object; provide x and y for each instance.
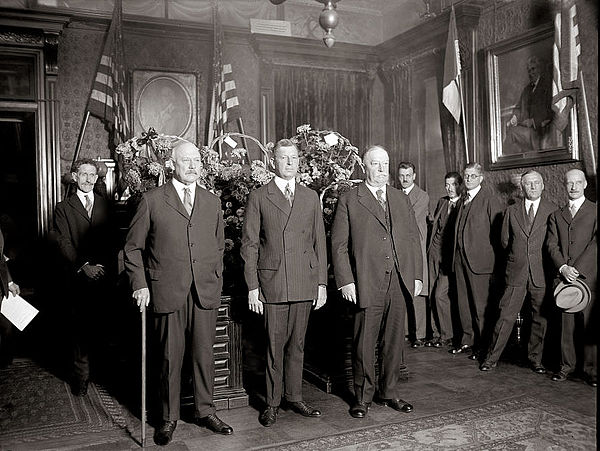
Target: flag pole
(587, 122)
(462, 108)
(81, 134)
(244, 142)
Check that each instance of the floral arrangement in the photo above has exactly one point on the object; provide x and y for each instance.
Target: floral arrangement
(327, 162)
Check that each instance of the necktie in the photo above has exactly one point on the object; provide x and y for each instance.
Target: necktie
(88, 205)
(531, 215)
(380, 198)
(467, 198)
(288, 194)
(187, 200)
(451, 206)
(573, 210)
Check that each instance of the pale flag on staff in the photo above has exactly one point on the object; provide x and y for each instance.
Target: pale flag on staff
(451, 95)
(107, 99)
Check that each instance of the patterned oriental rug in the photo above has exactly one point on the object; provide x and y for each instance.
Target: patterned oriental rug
(522, 423)
(36, 405)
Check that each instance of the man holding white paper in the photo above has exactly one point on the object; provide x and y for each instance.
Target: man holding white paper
(7, 287)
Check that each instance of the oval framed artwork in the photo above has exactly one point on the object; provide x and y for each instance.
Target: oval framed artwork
(165, 101)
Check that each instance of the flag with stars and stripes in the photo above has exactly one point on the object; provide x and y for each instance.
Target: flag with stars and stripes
(107, 100)
(224, 106)
(565, 61)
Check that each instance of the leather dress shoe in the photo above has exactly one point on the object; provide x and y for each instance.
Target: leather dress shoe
(461, 349)
(164, 434)
(417, 344)
(398, 404)
(474, 356)
(537, 368)
(215, 424)
(360, 409)
(79, 387)
(302, 408)
(592, 381)
(268, 417)
(486, 366)
(559, 377)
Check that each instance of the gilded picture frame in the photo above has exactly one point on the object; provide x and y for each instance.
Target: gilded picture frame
(524, 127)
(166, 101)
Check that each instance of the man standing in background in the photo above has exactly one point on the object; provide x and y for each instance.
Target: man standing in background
(7, 287)
(419, 200)
(440, 254)
(523, 234)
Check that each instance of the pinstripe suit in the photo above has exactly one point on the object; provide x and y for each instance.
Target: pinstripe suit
(285, 257)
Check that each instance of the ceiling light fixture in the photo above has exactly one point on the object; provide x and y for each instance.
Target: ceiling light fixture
(328, 19)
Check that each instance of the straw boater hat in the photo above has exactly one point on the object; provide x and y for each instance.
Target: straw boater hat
(572, 297)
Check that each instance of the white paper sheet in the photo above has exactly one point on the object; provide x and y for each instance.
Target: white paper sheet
(18, 311)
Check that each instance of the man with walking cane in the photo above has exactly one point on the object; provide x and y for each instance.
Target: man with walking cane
(174, 260)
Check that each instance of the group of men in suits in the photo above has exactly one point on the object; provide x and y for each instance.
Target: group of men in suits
(382, 262)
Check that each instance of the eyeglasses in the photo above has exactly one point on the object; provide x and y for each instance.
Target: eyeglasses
(471, 176)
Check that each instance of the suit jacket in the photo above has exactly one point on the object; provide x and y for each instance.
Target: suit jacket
(419, 200)
(572, 241)
(82, 239)
(481, 232)
(168, 251)
(536, 104)
(4, 272)
(440, 248)
(524, 246)
(357, 241)
(284, 248)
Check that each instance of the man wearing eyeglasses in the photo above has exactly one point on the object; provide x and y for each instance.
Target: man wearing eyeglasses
(523, 233)
(87, 247)
(476, 238)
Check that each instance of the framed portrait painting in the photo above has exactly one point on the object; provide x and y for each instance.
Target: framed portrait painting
(525, 127)
(166, 101)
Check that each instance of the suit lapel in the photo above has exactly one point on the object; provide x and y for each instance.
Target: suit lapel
(300, 201)
(522, 220)
(199, 202)
(276, 197)
(540, 216)
(172, 199)
(78, 206)
(566, 214)
(367, 200)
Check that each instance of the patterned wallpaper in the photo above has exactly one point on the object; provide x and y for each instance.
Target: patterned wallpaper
(505, 20)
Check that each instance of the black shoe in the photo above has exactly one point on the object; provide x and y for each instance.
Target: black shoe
(559, 377)
(214, 423)
(485, 366)
(79, 387)
(538, 368)
(269, 416)
(398, 404)
(473, 356)
(436, 343)
(164, 434)
(461, 349)
(417, 344)
(302, 408)
(592, 381)
(360, 409)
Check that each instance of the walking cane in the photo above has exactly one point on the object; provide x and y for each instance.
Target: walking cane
(144, 377)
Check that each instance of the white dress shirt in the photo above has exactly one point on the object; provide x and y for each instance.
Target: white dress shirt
(577, 203)
(81, 195)
(536, 205)
(409, 189)
(473, 192)
(179, 187)
(374, 189)
(282, 183)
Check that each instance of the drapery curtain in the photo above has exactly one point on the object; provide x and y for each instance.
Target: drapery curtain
(399, 83)
(325, 99)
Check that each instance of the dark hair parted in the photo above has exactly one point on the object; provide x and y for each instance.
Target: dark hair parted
(75, 166)
(454, 175)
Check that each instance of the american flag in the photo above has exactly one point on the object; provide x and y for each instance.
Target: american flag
(107, 99)
(565, 60)
(224, 105)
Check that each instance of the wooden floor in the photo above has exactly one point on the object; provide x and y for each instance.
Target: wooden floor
(439, 383)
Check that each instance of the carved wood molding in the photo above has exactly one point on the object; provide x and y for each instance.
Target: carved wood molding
(280, 50)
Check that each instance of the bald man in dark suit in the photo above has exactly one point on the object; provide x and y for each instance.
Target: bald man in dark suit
(285, 266)
(174, 260)
(523, 233)
(378, 265)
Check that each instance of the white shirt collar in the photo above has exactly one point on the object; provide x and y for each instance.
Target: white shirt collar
(536, 204)
(409, 189)
(179, 187)
(374, 189)
(577, 202)
(473, 192)
(282, 183)
(81, 195)
(454, 199)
